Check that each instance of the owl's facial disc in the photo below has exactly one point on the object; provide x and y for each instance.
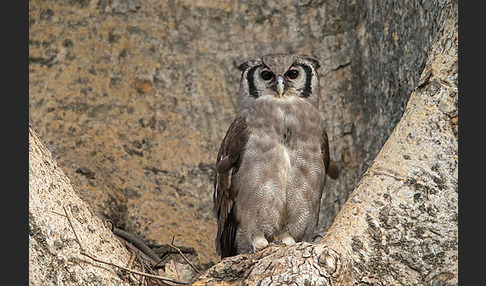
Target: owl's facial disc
(281, 79)
(277, 81)
(286, 79)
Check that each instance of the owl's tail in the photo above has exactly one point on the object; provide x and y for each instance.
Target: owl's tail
(225, 239)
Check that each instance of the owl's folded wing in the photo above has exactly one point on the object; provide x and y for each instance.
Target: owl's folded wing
(227, 164)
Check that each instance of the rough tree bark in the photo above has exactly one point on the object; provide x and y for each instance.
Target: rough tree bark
(400, 224)
(54, 254)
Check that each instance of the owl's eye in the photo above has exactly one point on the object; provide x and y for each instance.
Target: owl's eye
(266, 75)
(293, 74)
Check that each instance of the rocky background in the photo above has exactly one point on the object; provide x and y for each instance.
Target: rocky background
(134, 97)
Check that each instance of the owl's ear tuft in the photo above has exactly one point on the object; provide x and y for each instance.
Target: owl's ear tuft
(244, 66)
(314, 63)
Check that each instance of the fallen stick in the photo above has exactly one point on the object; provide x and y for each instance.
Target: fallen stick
(85, 253)
(183, 257)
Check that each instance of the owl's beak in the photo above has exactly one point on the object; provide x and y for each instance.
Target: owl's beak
(280, 85)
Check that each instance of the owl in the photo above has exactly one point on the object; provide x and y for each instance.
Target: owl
(273, 161)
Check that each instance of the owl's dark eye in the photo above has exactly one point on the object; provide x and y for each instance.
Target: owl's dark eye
(266, 75)
(293, 74)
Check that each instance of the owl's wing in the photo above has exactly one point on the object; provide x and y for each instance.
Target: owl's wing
(227, 164)
(332, 169)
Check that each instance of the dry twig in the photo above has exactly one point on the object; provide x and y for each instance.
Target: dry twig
(183, 256)
(83, 252)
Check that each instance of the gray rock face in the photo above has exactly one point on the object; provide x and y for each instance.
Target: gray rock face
(134, 97)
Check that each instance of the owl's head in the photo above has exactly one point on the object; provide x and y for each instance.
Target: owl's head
(281, 76)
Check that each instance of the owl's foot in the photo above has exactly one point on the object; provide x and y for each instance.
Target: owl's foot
(259, 243)
(284, 239)
(287, 239)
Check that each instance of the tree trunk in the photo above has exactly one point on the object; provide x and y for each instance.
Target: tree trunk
(400, 224)
(54, 254)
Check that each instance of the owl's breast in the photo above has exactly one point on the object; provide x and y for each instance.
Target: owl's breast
(282, 159)
(291, 121)
(288, 130)
(301, 124)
